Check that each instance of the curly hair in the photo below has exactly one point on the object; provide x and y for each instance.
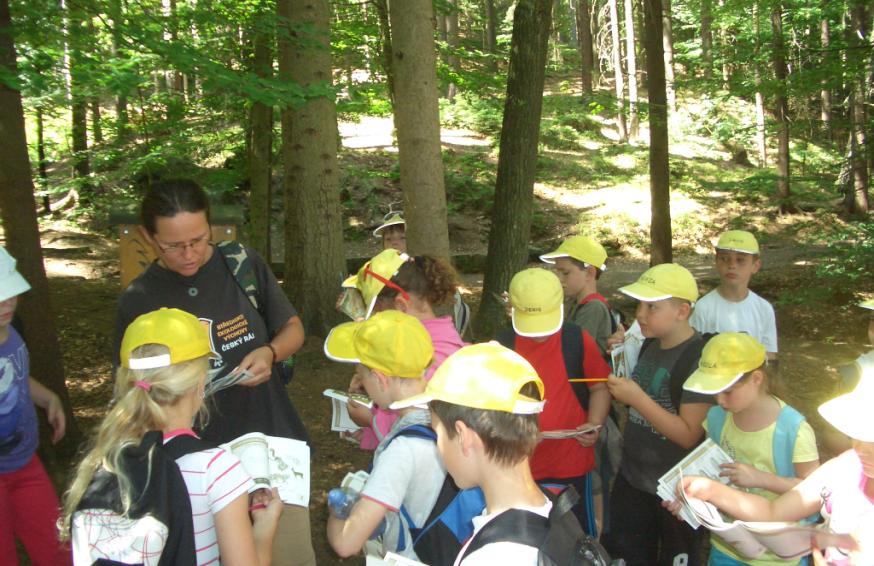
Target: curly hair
(427, 277)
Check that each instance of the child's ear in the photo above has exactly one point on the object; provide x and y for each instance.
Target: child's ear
(381, 378)
(684, 310)
(400, 303)
(466, 437)
(757, 265)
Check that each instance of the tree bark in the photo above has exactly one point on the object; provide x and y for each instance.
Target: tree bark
(314, 257)
(781, 106)
(726, 58)
(707, 37)
(858, 116)
(825, 94)
(386, 47)
(79, 113)
(418, 127)
(631, 65)
(18, 213)
(452, 42)
(491, 28)
(618, 81)
(659, 165)
(517, 162)
(121, 116)
(587, 52)
(260, 151)
(668, 46)
(761, 131)
(41, 156)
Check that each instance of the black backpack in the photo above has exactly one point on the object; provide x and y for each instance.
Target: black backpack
(571, 350)
(686, 364)
(559, 539)
(159, 494)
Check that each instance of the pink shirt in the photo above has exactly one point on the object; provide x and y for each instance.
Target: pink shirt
(848, 509)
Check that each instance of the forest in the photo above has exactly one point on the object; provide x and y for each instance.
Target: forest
(498, 127)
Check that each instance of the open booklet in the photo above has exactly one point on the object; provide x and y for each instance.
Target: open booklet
(352, 304)
(233, 377)
(568, 433)
(340, 420)
(705, 460)
(272, 461)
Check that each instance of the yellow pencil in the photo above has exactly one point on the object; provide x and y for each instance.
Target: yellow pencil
(588, 379)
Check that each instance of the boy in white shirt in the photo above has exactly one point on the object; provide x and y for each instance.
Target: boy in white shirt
(732, 306)
(485, 400)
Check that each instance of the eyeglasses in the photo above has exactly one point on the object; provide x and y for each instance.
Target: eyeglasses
(179, 249)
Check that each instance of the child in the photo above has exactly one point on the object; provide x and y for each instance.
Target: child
(732, 307)
(393, 233)
(842, 488)
(28, 503)
(664, 423)
(541, 337)
(159, 386)
(391, 351)
(484, 403)
(579, 262)
(413, 285)
(748, 423)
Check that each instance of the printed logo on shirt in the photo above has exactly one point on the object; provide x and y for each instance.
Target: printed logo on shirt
(232, 333)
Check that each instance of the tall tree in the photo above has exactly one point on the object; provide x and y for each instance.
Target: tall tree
(825, 93)
(314, 255)
(77, 41)
(631, 65)
(618, 80)
(668, 47)
(121, 115)
(761, 132)
(517, 162)
(859, 24)
(491, 28)
(587, 51)
(18, 213)
(452, 43)
(261, 145)
(781, 105)
(659, 167)
(707, 36)
(417, 122)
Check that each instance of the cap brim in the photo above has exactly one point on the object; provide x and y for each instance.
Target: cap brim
(709, 383)
(738, 250)
(552, 256)
(851, 414)
(420, 400)
(13, 285)
(350, 282)
(536, 326)
(643, 293)
(339, 345)
(386, 225)
(869, 304)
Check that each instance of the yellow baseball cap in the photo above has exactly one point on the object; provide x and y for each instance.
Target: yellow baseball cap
(482, 376)
(391, 342)
(724, 360)
(537, 300)
(851, 413)
(392, 220)
(869, 304)
(581, 248)
(738, 241)
(661, 282)
(181, 332)
(375, 274)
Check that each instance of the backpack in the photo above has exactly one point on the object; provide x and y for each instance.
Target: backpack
(439, 539)
(237, 261)
(686, 364)
(572, 352)
(559, 539)
(158, 528)
(615, 316)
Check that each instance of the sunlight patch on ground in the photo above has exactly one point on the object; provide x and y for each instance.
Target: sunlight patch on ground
(624, 161)
(66, 268)
(377, 132)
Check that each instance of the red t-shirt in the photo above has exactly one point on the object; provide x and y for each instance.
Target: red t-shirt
(561, 458)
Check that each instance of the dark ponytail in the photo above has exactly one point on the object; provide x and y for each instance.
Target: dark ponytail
(170, 197)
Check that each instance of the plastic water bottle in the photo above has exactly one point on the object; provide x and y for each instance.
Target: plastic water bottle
(341, 502)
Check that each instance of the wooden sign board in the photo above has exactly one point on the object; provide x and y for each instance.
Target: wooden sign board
(136, 254)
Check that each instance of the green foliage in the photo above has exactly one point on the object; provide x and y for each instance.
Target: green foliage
(850, 258)
(469, 182)
(483, 115)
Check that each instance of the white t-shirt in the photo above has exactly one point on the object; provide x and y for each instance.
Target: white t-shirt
(501, 552)
(753, 315)
(406, 471)
(214, 478)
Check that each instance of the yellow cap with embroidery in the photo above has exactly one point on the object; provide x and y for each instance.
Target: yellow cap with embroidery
(581, 248)
(724, 360)
(537, 302)
(663, 281)
(738, 241)
(375, 274)
(180, 332)
(482, 376)
(391, 342)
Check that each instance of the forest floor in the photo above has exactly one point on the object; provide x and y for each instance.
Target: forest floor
(594, 184)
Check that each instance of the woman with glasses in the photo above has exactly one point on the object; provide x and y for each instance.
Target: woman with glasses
(191, 274)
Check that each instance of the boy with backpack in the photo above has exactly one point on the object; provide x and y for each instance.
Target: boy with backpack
(485, 400)
(664, 422)
(732, 306)
(579, 262)
(560, 352)
(406, 485)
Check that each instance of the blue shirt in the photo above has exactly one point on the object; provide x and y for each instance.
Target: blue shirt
(19, 431)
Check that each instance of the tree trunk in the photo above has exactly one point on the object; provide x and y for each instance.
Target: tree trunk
(121, 116)
(452, 42)
(724, 44)
(707, 37)
(314, 257)
(517, 162)
(79, 114)
(587, 53)
(385, 47)
(418, 127)
(260, 151)
(659, 166)
(825, 94)
(619, 85)
(668, 46)
(781, 107)
(858, 118)
(761, 132)
(41, 156)
(491, 28)
(631, 64)
(18, 213)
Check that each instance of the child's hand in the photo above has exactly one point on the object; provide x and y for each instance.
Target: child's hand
(673, 508)
(265, 505)
(56, 419)
(258, 362)
(360, 415)
(616, 338)
(589, 438)
(696, 486)
(741, 475)
(355, 385)
(624, 390)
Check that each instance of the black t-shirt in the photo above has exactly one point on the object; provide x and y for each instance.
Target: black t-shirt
(646, 453)
(235, 328)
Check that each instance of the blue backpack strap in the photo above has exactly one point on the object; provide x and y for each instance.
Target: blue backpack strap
(788, 422)
(715, 423)
(424, 432)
